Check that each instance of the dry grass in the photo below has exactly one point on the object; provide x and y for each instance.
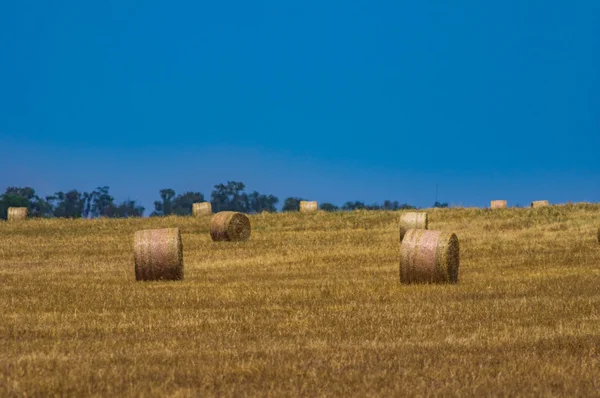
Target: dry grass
(307, 207)
(308, 306)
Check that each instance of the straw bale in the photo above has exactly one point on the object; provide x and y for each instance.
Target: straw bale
(412, 220)
(540, 203)
(17, 213)
(498, 204)
(429, 257)
(201, 209)
(158, 254)
(230, 226)
(308, 207)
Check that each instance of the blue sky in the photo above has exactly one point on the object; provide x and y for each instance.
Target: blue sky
(331, 101)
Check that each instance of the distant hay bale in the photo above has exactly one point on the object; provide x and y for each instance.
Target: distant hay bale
(598, 235)
(230, 226)
(498, 204)
(308, 207)
(412, 220)
(539, 203)
(201, 209)
(17, 213)
(429, 257)
(158, 254)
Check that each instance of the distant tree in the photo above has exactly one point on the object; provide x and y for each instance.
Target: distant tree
(328, 207)
(68, 205)
(389, 205)
(182, 204)
(102, 203)
(292, 204)
(441, 205)
(258, 203)
(164, 207)
(128, 208)
(24, 197)
(356, 205)
(230, 197)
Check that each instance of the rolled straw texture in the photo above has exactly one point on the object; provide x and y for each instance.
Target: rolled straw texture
(201, 209)
(230, 226)
(17, 213)
(498, 204)
(412, 220)
(540, 203)
(429, 257)
(158, 254)
(308, 207)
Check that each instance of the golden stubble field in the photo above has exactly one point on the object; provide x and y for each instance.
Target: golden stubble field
(311, 305)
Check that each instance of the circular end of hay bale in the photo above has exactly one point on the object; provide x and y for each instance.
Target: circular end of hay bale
(16, 214)
(539, 203)
(158, 254)
(412, 220)
(498, 204)
(307, 207)
(230, 226)
(201, 209)
(429, 257)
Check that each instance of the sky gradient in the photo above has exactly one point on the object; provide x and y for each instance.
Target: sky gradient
(330, 101)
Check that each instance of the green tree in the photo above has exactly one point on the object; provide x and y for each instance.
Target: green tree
(164, 207)
(328, 207)
(102, 203)
(230, 197)
(182, 204)
(68, 205)
(24, 197)
(291, 204)
(356, 205)
(128, 208)
(258, 203)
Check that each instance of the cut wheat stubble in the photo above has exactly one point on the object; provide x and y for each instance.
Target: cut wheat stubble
(230, 226)
(201, 209)
(158, 254)
(17, 213)
(429, 257)
(412, 220)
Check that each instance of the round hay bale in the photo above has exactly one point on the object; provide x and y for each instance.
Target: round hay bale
(308, 207)
(429, 257)
(598, 235)
(539, 203)
(498, 204)
(17, 213)
(230, 226)
(412, 220)
(201, 209)
(158, 254)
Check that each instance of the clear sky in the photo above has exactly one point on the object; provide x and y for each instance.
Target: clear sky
(327, 100)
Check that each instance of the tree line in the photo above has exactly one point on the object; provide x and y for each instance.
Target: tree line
(231, 196)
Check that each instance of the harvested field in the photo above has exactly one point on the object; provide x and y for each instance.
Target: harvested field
(308, 306)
